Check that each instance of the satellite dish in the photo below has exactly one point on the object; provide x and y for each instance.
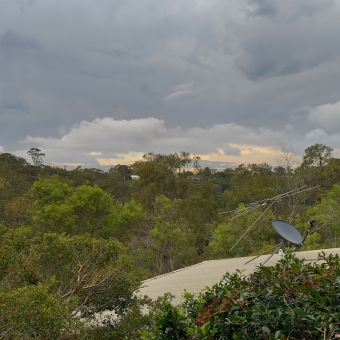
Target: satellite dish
(288, 232)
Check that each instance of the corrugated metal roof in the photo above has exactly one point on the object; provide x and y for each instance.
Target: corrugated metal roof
(195, 278)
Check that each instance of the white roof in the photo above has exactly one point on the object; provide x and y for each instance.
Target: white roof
(195, 278)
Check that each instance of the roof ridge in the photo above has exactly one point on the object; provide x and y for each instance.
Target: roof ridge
(175, 271)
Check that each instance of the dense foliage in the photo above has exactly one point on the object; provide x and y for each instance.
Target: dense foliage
(78, 242)
(291, 300)
(46, 280)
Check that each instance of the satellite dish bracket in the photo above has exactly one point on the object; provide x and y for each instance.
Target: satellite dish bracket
(311, 226)
(277, 247)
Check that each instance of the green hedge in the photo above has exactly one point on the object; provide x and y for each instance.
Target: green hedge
(294, 299)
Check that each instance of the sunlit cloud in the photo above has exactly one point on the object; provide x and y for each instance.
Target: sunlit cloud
(106, 142)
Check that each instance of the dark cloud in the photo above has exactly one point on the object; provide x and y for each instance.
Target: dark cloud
(262, 8)
(306, 8)
(13, 108)
(257, 64)
(11, 40)
(147, 90)
(228, 150)
(115, 53)
(281, 49)
(23, 4)
(287, 10)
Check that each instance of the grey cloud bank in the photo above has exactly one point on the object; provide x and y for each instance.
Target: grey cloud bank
(219, 78)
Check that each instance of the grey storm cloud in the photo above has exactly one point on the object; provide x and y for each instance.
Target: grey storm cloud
(288, 45)
(197, 66)
(10, 40)
(262, 7)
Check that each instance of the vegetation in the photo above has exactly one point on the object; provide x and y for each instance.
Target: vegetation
(291, 300)
(74, 243)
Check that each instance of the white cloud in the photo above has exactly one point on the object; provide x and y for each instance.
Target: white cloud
(106, 142)
(180, 95)
(181, 91)
(326, 117)
(182, 87)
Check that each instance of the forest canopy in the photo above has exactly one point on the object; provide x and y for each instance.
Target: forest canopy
(79, 242)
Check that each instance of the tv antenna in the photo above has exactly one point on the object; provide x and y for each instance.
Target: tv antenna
(279, 227)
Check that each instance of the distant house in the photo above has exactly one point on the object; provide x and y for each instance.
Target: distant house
(135, 177)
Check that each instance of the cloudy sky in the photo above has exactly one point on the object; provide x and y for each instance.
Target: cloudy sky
(100, 83)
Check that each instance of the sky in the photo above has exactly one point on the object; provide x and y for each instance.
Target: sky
(100, 83)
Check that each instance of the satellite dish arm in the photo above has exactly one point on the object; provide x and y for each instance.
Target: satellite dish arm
(311, 226)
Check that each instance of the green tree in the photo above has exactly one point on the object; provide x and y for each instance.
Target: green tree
(163, 175)
(250, 183)
(332, 173)
(199, 209)
(34, 312)
(18, 258)
(315, 168)
(172, 240)
(50, 210)
(128, 223)
(123, 171)
(92, 209)
(91, 274)
(256, 237)
(59, 208)
(15, 181)
(37, 156)
(328, 215)
(15, 212)
(97, 273)
(317, 155)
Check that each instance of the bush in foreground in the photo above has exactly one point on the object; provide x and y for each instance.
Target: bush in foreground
(32, 312)
(294, 299)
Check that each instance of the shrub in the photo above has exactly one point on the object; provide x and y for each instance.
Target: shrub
(294, 299)
(32, 312)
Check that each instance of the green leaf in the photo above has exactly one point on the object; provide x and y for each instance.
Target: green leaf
(277, 335)
(299, 312)
(266, 329)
